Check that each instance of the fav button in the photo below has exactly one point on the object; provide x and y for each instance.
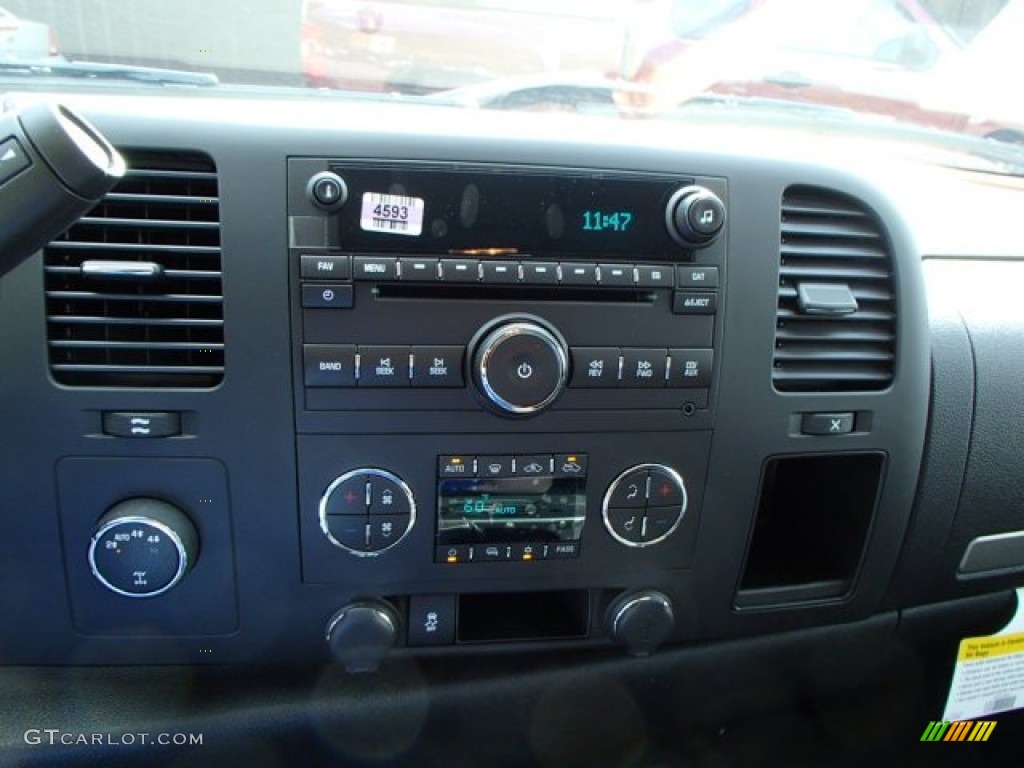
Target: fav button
(326, 267)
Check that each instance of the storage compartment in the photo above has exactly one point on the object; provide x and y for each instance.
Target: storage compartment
(507, 616)
(811, 527)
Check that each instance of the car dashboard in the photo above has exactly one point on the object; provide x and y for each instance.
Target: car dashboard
(454, 402)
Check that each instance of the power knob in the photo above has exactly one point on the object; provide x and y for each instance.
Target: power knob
(640, 621)
(143, 547)
(362, 633)
(694, 216)
(520, 366)
(327, 191)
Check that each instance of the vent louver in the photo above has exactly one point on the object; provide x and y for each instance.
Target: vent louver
(836, 329)
(133, 290)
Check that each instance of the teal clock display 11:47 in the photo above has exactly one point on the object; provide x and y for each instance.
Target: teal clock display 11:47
(601, 221)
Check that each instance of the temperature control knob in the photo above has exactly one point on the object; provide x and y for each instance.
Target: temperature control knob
(521, 367)
(361, 634)
(694, 216)
(640, 621)
(143, 547)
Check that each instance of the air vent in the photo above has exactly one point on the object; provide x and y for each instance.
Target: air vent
(836, 328)
(133, 290)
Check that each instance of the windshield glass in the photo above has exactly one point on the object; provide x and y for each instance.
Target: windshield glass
(946, 68)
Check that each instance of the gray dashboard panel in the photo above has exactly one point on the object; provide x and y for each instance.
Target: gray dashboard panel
(249, 423)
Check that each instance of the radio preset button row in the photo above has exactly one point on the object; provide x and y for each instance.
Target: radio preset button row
(346, 365)
(609, 367)
(506, 552)
(559, 465)
(496, 272)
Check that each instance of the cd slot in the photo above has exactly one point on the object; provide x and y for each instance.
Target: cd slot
(514, 292)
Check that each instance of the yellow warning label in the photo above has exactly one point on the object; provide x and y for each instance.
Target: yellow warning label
(977, 648)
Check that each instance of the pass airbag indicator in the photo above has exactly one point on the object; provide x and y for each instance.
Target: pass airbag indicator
(391, 214)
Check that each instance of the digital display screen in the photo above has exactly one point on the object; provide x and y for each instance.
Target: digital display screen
(475, 511)
(505, 210)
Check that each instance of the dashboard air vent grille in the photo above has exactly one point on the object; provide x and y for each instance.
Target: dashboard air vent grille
(133, 289)
(836, 325)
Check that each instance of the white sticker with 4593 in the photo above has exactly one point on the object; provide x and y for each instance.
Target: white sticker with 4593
(391, 214)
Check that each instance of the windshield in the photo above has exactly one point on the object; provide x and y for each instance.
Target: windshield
(929, 68)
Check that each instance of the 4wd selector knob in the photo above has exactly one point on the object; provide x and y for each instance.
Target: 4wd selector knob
(520, 367)
(143, 547)
(694, 216)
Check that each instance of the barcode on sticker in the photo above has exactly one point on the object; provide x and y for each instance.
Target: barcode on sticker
(1000, 703)
(391, 214)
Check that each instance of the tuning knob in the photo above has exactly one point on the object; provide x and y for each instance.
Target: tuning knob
(143, 547)
(361, 634)
(694, 216)
(520, 367)
(640, 621)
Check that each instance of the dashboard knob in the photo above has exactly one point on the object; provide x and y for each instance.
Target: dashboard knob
(327, 190)
(640, 621)
(521, 367)
(694, 216)
(143, 547)
(361, 634)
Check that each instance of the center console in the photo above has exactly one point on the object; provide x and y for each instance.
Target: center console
(471, 380)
